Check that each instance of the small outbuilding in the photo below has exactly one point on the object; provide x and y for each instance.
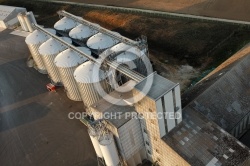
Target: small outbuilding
(8, 16)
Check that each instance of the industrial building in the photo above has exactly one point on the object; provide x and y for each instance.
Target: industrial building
(180, 137)
(8, 16)
(232, 113)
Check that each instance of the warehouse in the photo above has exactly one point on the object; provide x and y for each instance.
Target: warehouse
(224, 97)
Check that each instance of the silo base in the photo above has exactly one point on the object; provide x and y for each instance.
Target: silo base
(41, 71)
(56, 83)
(73, 99)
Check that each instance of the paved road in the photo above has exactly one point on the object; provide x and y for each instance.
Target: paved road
(34, 128)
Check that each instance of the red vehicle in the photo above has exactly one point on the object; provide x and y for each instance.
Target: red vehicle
(51, 87)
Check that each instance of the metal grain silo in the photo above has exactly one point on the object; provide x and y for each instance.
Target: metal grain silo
(94, 139)
(31, 17)
(87, 76)
(109, 150)
(132, 56)
(23, 24)
(82, 33)
(34, 41)
(100, 42)
(66, 62)
(48, 51)
(64, 25)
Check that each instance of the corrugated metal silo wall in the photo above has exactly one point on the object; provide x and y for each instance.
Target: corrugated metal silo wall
(37, 57)
(89, 93)
(51, 68)
(70, 85)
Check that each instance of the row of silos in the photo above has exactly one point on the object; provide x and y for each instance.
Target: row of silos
(48, 51)
(97, 42)
(105, 147)
(66, 62)
(51, 57)
(61, 64)
(84, 75)
(34, 41)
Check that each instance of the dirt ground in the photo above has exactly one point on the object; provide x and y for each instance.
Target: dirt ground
(229, 9)
(180, 49)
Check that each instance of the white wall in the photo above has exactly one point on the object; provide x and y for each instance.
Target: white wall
(169, 107)
(2, 24)
(131, 139)
(178, 102)
(161, 123)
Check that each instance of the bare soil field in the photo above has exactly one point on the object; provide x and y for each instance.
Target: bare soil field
(181, 50)
(229, 9)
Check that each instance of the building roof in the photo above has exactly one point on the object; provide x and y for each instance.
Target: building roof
(104, 106)
(159, 87)
(227, 101)
(6, 11)
(202, 142)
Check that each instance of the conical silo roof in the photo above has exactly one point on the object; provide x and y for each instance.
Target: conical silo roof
(82, 32)
(126, 57)
(65, 24)
(86, 73)
(70, 58)
(124, 47)
(37, 37)
(52, 46)
(101, 41)
(119, 47)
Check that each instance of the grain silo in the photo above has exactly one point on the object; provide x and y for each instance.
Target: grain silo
(133, 57)
(100, 42)
(64, 25)
(29, 19)
(66, 62)
(82, 33)
(34, 41)
(109, 150)
(88, 77)
(48, 51)
(94, 139)
(22, 22)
